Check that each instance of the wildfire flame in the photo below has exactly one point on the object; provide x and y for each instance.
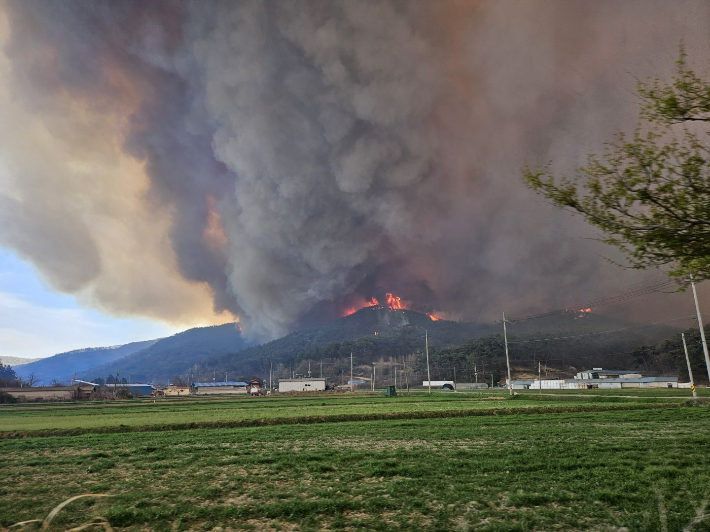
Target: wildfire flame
(372, 302)
(394, 302)
(432, 317)
(585, 310)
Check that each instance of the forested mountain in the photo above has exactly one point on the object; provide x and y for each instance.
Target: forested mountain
(173, 355)
(62, 366)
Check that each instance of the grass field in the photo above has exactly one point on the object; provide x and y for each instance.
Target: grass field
(526, 468)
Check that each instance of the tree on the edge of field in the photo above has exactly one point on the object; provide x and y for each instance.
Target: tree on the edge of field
(8, 377)
(649, 194)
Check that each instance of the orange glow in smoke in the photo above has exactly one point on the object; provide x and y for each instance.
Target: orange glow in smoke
(432, 317)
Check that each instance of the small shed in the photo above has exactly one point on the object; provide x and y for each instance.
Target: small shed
(254, 387)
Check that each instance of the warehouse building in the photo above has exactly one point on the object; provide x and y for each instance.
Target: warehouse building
(304, 384)
(52, 393)
(598, 378)
(219, 388)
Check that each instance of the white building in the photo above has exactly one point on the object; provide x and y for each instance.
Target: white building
(302, 385)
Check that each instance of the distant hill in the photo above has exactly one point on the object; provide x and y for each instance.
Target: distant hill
(16, 361)
(173, 355)
(401, 332)
(64, 365)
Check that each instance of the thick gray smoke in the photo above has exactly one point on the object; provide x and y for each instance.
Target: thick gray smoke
(298, 158)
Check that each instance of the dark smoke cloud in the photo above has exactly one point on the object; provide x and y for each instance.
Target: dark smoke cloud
(300, 158)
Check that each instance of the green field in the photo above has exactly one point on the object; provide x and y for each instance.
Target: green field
(479, 462)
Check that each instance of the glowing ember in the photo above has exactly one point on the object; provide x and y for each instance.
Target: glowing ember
(372, 303)
(349, 311)
(585, 310)
(432, 317)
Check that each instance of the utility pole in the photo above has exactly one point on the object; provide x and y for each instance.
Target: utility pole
(428, 373)
(321, 368)
(507, 358)
(395, 375)
(690, 371)
(406, 375)
(309, 369)
(374, 369)
(700, 324)
(271, 371)
(225, 376)
(475, 371)
(539, 375)
(352, 384)
(454, 378)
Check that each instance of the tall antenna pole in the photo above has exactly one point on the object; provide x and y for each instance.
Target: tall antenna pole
(700, 324)
(507, 358)
(690, 371)
(428, 373)
(271, 371)
(539, 375)
(352, 384)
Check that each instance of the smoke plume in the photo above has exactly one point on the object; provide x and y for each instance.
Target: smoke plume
(279, 162)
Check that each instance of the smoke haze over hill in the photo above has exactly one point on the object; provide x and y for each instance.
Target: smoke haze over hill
(279, 162)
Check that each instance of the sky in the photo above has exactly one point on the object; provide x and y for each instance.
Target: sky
(177, 163)
(36, 321)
